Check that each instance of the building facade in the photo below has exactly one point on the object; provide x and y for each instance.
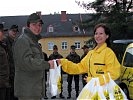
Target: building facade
(62, 30)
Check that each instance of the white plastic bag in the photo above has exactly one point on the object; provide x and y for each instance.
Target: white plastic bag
(92, 91)
(115, 92)
(100, 92)
(55, 80)
(88, 90)
(109, 91)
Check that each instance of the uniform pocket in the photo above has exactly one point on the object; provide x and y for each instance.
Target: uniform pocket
(99, 68)
(99, 64)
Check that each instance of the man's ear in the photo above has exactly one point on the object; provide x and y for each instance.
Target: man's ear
(107, 36)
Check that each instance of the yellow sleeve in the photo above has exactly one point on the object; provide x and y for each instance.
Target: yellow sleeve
(113, 67)
(73, 68)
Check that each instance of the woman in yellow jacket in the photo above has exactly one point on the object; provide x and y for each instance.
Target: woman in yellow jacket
(99, 61)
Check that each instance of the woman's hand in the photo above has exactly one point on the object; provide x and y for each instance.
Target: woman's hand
(51, 63)
(87, 79)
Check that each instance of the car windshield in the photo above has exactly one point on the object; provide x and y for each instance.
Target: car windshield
(128, 60)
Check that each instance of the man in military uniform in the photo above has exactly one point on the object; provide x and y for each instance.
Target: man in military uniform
(12, 34)
(30, 66)
(85, 50)
(4, 68)
(74, 57)
(56, 55)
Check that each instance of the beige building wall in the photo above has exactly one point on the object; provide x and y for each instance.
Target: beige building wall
(58, 41)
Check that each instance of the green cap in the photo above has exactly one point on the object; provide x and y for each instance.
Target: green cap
(73, 46)
(14, 28)
(2, 28)
(34, 18)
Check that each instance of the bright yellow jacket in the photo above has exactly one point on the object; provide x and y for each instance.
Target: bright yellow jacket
(96, 63)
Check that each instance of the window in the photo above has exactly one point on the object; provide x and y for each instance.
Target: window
(50, 45)
(128, 61)
(76, 28)
(77, 44)
(64, 45)
(50, 28)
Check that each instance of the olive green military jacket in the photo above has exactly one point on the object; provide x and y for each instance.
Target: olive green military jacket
(4, 68)
(30, 66)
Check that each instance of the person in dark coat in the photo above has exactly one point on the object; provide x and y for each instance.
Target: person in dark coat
(46, 59)
(9, 40)
(4, 68)
(85, 50)
(74, 57)
(30, 66)
(56, 55)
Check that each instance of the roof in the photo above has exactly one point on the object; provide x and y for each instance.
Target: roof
(60, 28)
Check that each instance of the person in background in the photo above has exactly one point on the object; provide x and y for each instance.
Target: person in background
(56, 55)
(99, 61)
(74, 57)
(85, 50)
(12, 34)
(4, 68)
(29, 81)
(46, 59)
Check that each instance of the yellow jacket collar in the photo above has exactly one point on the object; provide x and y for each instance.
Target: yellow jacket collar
(96, 49)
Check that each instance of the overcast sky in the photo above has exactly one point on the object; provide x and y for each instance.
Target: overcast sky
(26, 7)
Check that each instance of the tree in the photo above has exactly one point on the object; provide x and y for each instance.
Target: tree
(116, 13)
(108, 6)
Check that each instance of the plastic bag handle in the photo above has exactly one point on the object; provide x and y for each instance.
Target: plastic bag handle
(57, 63)
(104, 79)
(97, 82)
(109, 76)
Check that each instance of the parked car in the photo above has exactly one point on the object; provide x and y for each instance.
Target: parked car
(127, 72)
(126, 78)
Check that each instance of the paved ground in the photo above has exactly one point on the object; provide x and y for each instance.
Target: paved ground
(65, 89)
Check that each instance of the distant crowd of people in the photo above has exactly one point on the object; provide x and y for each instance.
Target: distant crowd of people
(24, 66)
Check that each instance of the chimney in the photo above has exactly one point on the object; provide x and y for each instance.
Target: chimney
(63, 16)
